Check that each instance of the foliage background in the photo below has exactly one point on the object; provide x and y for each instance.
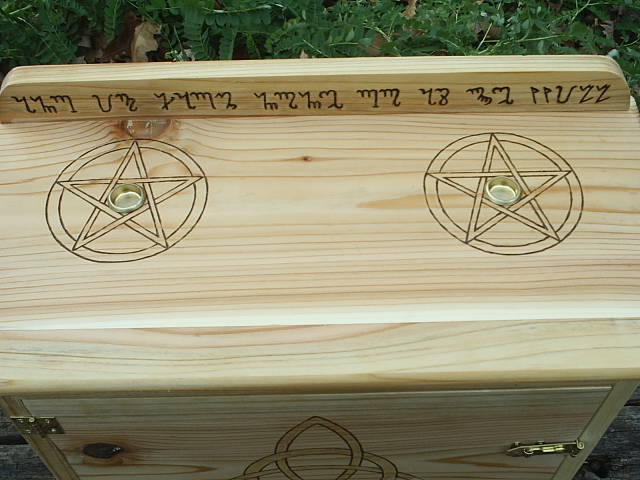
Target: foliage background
(78, 31)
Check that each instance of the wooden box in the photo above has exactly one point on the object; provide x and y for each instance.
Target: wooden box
(365, 269)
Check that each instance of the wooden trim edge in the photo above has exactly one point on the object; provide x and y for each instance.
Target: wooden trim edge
(344, 86)
(620, 392)
(52, 457)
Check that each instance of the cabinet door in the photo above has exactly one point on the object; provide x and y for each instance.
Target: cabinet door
(458, 435)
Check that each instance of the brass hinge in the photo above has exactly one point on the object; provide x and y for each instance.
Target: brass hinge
(543, 448)
(42, 426)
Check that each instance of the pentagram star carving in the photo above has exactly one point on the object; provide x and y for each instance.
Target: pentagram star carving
(157, 234)
(537, 221)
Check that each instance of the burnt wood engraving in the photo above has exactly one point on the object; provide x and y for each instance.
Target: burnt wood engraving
(311, 104)
(332, 98)
(547, 212)
(436, 96)
(376, 94)
(308, 100)
(290, 446)
(267, 105)
(561, 95)
(501, 94)
(31, 103)
(126, 100)
(64, 99)
(289, 97)
(82, 222)
(387, 98)
(45, 108)
(194, 100)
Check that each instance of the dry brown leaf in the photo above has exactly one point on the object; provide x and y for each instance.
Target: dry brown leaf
(607, 27)
(556, 7)
(120, 47)
(479, 27)
(374, 48)
(85, 41)
(494, 33)
(410, 11)
(144, 41)
(486, 30)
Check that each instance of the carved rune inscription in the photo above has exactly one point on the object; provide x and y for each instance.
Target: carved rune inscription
(307, 100)
(368, 98)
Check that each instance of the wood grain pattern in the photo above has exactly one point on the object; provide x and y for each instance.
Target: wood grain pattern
(315, 87)
(305, 231)
(431, 436)
(616, 457)
(336, 255)
(298, 229)
(330, 358)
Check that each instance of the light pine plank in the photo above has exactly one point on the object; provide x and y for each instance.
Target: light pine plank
(318, 220)
(615, 458)
(328, 358)
(434, 435)
(310, 221)
(315, 87)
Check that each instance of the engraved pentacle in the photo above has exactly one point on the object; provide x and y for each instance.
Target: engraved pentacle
(81, 218)
(545, 212)
(338, 456)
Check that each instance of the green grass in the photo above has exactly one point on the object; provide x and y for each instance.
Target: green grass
(47, 31)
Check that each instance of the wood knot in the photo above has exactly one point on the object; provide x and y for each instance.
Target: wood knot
(102, 450)
(144, 128)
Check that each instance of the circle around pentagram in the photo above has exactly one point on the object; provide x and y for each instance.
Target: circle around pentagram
(70, 207)
(443, 194)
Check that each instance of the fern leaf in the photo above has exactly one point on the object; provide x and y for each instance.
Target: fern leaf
(111, 16)
(197, 38)
(252, 46)
(76, 8)
(58, 48)
(227, 43)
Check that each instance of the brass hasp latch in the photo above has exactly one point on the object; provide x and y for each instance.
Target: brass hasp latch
(543, 448)
(42, 426)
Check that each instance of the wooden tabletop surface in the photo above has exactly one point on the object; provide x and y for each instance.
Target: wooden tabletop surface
(309, 252)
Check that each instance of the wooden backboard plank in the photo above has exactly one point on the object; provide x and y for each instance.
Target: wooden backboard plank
(315, 220)
(427, 435)
(314, 87)
(320, 358)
